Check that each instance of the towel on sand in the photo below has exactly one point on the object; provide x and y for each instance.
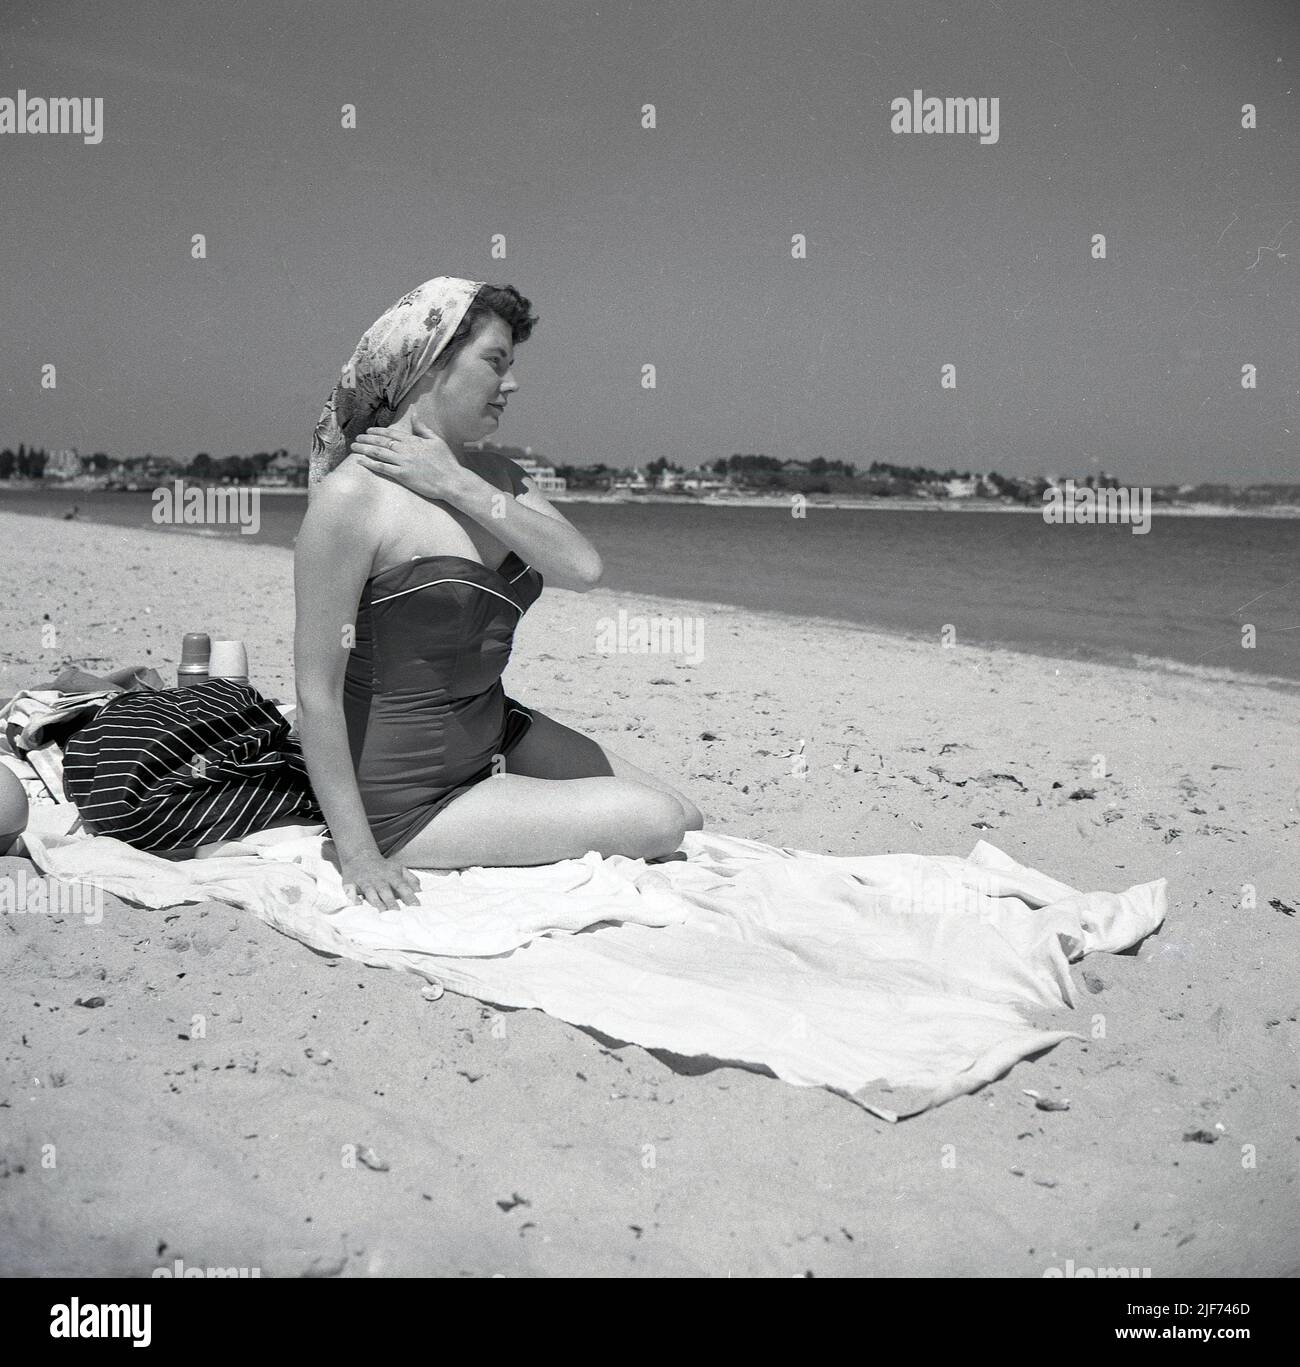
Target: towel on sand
(897, 980)
(35, 723)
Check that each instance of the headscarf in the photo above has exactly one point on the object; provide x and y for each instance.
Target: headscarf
(395, 352)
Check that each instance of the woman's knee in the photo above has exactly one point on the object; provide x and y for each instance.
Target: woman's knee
(646, 824)
(666, 826)
(624, 768)
(694, 817)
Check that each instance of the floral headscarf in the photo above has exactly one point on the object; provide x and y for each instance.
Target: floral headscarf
(395, 352)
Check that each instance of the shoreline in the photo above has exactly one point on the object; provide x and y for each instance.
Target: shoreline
(850, 504)
(665, 604)
(905, 505)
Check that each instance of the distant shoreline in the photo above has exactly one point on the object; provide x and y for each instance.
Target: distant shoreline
(867, 504)
(902, 560)
(914, 505)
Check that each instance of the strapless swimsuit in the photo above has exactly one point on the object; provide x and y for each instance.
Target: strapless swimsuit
(425, 707)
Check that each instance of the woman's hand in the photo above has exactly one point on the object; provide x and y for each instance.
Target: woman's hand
(416, 458)
(379, 881)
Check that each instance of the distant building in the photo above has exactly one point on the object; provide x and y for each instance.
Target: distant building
(544, 476)
(63, 464)
(962, 488)
(284, 470)
(703, 480)
(633, 480)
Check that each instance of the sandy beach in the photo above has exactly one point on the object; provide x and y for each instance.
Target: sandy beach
(515, 1143)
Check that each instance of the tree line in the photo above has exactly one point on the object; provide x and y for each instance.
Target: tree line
(22, 464)
(822, 476)
(32, 463)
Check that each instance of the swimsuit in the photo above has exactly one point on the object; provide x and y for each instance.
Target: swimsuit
(425, 708)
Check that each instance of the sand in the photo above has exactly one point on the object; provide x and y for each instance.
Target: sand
(211, 1109)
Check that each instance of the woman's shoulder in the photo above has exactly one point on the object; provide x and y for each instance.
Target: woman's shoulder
(349, 491)
(348, 502)
(346, 480)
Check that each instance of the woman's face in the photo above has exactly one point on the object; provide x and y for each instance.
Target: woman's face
(457, 400)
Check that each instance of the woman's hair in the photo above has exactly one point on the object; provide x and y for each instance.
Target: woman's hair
(502, 300)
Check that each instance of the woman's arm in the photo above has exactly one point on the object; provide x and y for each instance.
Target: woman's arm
(332, 558)
(417, 458)
(535, 530)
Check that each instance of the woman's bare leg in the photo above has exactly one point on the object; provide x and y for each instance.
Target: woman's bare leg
(511, 819)
(552, 750)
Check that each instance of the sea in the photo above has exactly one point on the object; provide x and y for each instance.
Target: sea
(1210, 593)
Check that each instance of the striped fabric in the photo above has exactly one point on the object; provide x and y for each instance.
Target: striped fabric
(180, 767)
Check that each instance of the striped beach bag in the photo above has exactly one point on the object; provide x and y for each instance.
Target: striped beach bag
(179, 767)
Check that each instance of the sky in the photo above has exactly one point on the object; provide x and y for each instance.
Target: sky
(671, 247)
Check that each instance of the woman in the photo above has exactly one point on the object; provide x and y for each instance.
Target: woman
(415, 560)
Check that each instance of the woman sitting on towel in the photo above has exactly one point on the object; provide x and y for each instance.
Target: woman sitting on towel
(415, 561)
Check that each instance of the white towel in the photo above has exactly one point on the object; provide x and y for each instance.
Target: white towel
(899, 981)
(24, 748)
